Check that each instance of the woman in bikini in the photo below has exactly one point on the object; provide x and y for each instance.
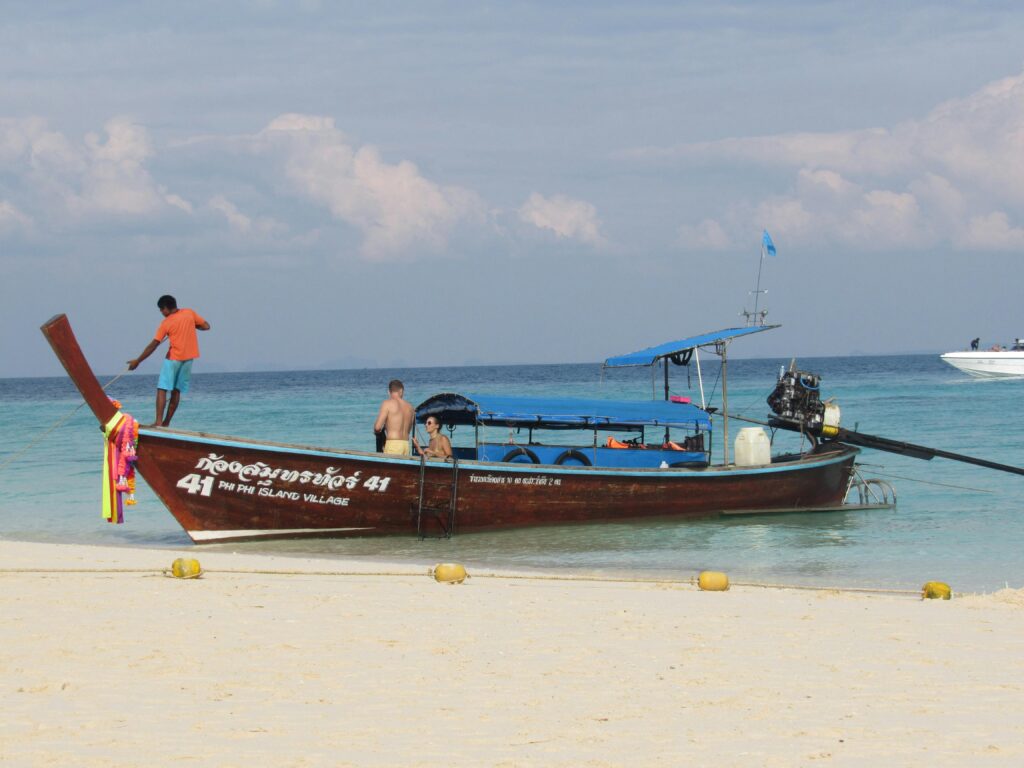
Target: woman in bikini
(440, 447)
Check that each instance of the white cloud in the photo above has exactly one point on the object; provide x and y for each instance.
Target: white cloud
(860, 151)
(397, 210)
(822, 182)
(176, 201)
(115, 179)
(238, 221)
(709, 235)
(954, 176)
(28, 145)
(60, 184)
(11, 218)
(843, 212)
(888, 217)
(937, 194)
(292, 121)
(567, 218)
(241, 223)
(101, 175)
(786, 217)
(992, 232)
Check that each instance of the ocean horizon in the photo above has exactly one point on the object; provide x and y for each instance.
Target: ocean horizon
(264, 367)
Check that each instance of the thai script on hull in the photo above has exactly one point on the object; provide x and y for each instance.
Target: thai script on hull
(260, 473)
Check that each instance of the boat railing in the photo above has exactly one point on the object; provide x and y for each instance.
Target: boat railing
(591, 455)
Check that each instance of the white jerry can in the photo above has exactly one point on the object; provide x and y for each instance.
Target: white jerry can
(752, 448)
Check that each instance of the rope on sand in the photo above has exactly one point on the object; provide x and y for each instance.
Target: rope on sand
(691, 581)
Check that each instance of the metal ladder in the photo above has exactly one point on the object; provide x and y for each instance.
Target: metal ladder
(871, 492)
(443, 516)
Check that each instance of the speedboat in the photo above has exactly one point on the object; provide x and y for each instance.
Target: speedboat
(995, 362)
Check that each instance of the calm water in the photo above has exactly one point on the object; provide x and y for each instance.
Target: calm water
(954, 522)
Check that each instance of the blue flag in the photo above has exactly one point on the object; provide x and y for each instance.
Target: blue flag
(769, 246)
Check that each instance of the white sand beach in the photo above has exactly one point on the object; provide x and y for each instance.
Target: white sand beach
(120, 665)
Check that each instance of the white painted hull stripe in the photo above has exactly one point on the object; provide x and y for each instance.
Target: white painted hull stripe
(252, 532)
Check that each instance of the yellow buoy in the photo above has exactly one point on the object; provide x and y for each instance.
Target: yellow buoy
(936, 590)
(186, 568)
(448, 573)
(713, 581)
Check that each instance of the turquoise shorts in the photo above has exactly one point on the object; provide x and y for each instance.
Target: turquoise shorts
(175, 374)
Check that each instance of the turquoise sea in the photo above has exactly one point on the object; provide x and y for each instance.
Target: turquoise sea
(954, 522)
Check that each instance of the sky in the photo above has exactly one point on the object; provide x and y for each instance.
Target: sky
(348, 185)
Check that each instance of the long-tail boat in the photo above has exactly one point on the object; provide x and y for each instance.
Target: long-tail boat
(222, 488)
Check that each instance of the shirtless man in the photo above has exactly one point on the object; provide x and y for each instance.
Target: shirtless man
(396, 418)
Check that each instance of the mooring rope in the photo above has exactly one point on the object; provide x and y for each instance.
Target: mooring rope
(691, 581)
(927, 482)
(60, 422)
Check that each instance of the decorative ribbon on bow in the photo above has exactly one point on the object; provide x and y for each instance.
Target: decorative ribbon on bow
(122, 437)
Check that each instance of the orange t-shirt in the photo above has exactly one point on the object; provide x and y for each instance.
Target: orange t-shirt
(180, 327)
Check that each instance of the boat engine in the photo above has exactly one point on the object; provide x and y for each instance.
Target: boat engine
(797, 399)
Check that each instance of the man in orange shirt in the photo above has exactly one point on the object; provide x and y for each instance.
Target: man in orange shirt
(179, 325)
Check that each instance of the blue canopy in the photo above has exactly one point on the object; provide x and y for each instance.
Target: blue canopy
(651, 355)
(561, 413)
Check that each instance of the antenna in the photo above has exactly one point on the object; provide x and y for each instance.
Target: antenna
(757, 317)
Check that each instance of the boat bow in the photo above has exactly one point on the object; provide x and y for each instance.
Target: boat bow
(57, 331)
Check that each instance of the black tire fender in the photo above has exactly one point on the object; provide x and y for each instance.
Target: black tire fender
(521, 451)
(572, 453)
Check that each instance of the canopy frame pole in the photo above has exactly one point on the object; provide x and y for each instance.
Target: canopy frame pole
(700, 379)
(721, 350)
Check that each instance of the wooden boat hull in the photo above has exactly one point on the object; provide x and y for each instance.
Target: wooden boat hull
(225, 489)
(229, 489)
